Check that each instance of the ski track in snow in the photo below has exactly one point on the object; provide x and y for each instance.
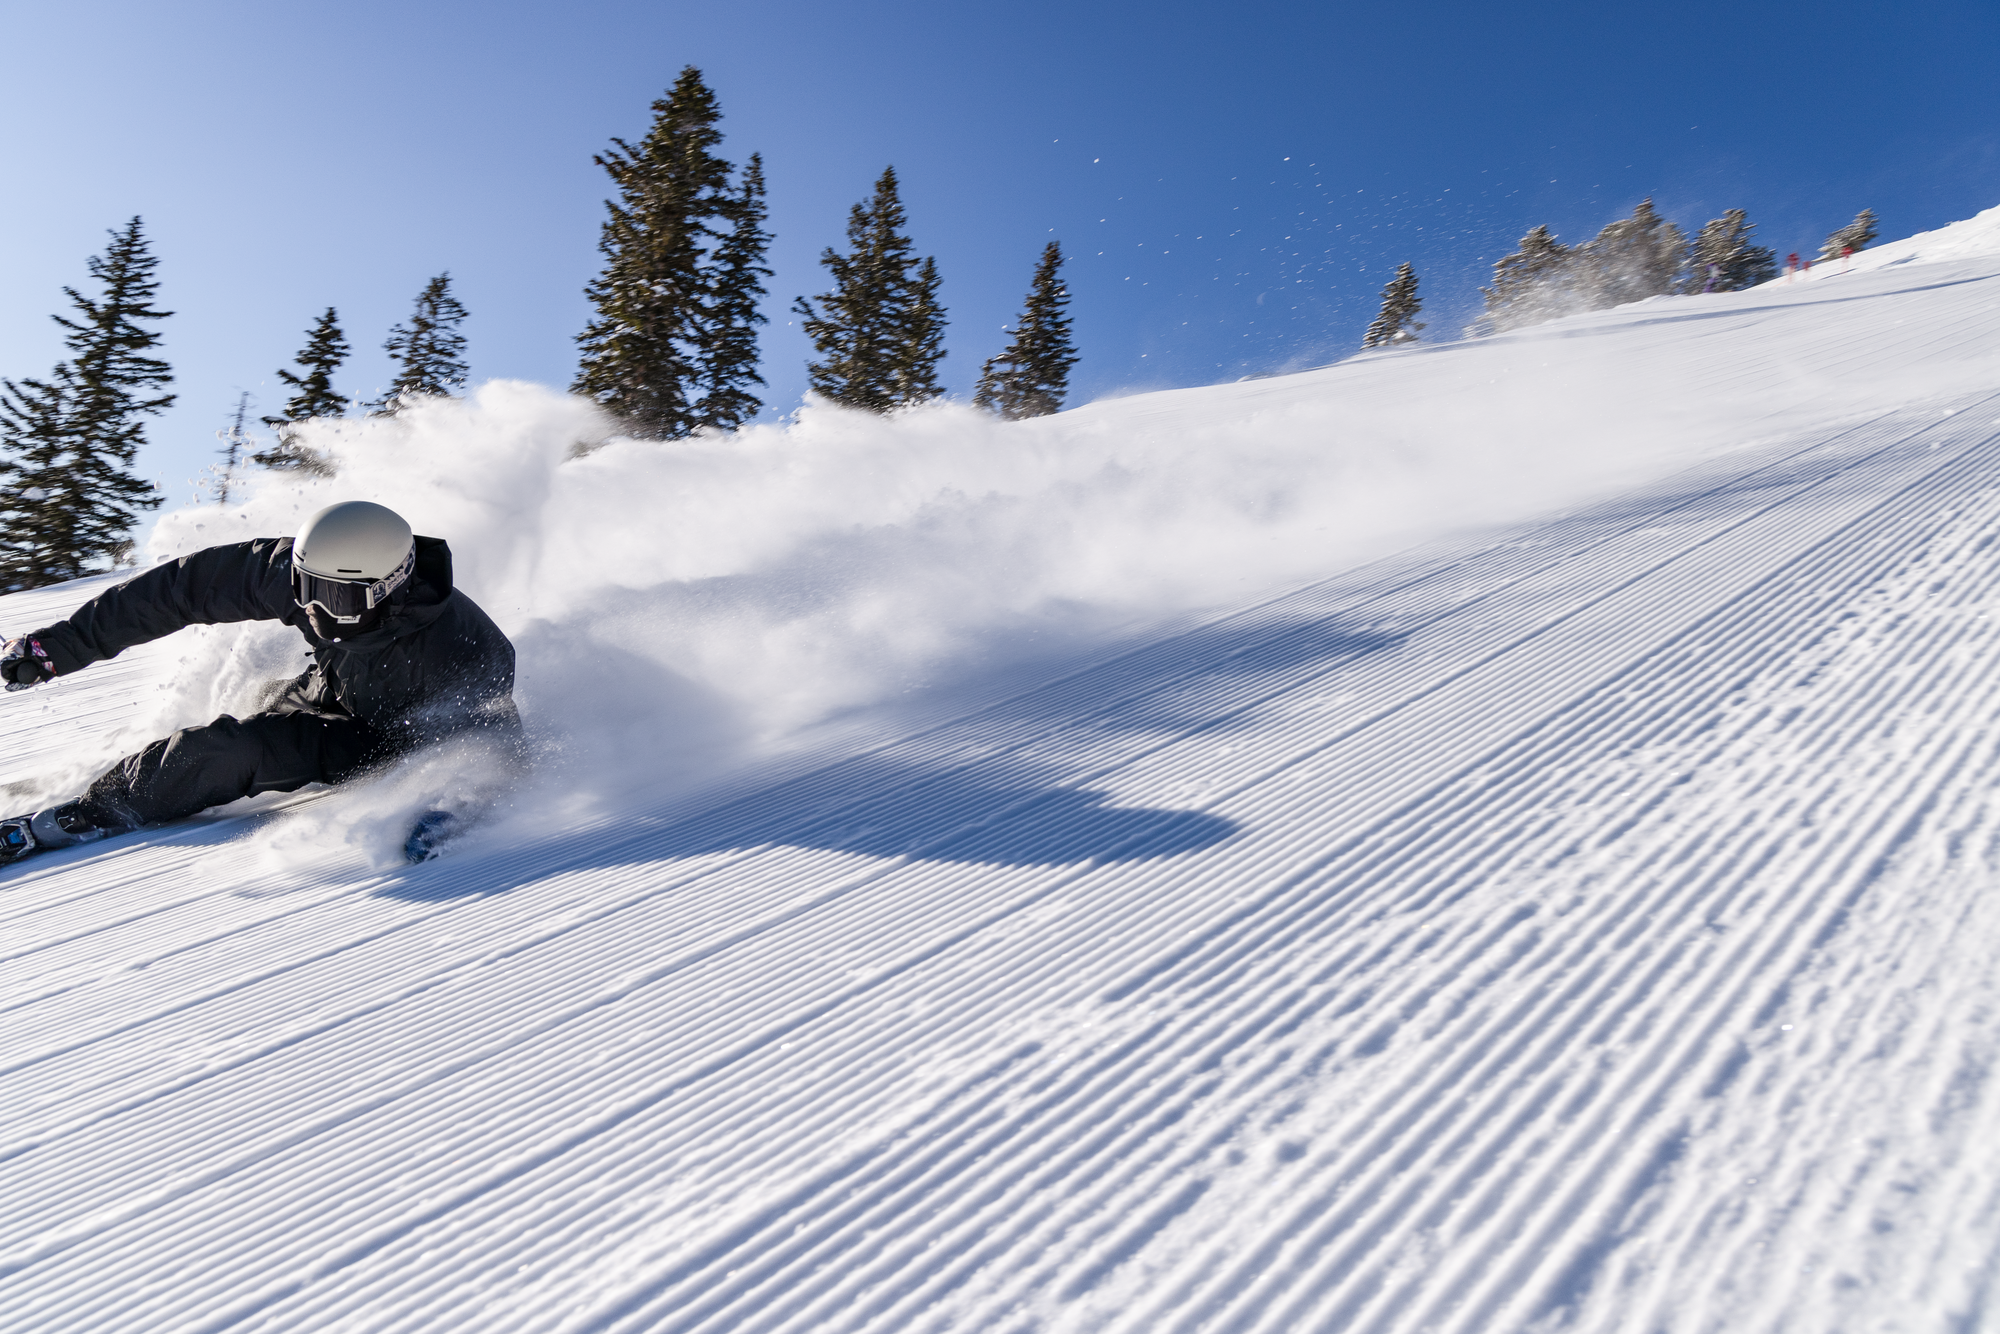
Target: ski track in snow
(1584, 926)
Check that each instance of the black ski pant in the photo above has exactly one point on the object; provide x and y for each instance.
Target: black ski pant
(199, 767)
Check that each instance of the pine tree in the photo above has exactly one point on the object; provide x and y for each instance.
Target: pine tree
(70, 497)
(1854, 236)
(1723, 258)
(1532, 285)
(673, 348)
(916, 367)
(1400, 304)
(36, 544)
(429, 350)
(325, 350)
(729, 319)
(1030, 377)
(882, 335)
(1631, 259)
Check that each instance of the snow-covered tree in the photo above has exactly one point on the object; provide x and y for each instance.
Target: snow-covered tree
(1723, 258)
(68, 495)
(882, 334)
(429, 350)
(1532, 285)
(1631, 259)
(673, 347)
(1398, 321)
(313, 396)
(1854, 236)
(1030, 377)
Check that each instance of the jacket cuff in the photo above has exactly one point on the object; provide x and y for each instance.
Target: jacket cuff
(64, 647)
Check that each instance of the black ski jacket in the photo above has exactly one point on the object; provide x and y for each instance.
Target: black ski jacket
(435, 664)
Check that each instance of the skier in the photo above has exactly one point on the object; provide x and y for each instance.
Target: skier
(401, 659)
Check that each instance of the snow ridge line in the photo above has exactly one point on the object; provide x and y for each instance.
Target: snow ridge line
(1375, 1119)
(1444, 781)
(1574, 730)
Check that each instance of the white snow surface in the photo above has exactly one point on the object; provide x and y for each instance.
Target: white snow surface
(1969, 238)
(1496, 836)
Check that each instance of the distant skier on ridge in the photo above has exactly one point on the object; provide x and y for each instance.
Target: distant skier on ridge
(401, 659)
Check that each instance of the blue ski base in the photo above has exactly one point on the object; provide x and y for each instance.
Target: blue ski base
(434, 829)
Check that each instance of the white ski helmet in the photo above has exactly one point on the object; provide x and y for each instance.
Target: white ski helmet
(350, 557)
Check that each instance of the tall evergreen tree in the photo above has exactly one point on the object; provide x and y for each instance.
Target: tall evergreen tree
(1724, 259)
(429, 350)
(882, 334)
(1531, 285)
(916, 366)
(1854, 236)
(70, 495)
(1631, 259)
(1030, 377)
(673, 347)
(325, 350)
(36, 544)
(1400, 304)
(729, 318)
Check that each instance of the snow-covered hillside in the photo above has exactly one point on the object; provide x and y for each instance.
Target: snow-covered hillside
(1496, 836)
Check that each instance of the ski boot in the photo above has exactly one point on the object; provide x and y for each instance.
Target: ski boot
(61, 826)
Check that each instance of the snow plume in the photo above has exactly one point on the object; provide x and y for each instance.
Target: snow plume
(745, 586)
(681, 605)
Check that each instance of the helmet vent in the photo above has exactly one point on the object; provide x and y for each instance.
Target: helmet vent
(350, 571)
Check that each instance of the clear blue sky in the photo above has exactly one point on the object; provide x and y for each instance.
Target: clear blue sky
(1234, 184)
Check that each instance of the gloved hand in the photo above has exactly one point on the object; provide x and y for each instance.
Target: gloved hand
(24, 664)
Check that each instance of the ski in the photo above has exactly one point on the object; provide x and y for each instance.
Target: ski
(433, 830)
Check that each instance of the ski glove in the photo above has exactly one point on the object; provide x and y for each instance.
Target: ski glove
(23, 663)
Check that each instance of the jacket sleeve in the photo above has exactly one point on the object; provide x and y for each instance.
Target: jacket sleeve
(245, 581)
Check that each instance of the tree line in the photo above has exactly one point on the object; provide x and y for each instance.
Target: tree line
(671, 348)
(68, 493)
(1631, 259)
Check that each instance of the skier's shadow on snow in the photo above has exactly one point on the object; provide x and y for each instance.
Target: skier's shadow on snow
(987, 807)
(938, 818)
(955, 818)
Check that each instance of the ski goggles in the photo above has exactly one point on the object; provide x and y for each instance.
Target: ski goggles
(349, 599)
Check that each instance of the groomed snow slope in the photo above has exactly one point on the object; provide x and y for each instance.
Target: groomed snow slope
(1583, 924)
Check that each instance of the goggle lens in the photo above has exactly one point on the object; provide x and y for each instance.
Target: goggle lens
(346, 599)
